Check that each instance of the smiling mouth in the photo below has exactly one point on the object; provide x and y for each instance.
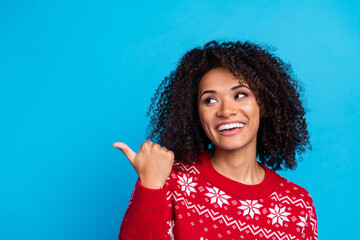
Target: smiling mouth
(230, 127)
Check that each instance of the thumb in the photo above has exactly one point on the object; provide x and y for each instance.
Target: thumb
(130, 154)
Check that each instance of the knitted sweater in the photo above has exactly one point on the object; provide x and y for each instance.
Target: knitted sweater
(199, 203)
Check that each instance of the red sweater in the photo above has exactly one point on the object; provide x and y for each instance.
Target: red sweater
(199, 203)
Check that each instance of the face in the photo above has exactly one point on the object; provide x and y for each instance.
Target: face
(228, 111)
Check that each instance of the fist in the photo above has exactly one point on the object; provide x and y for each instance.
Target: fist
(153, 163)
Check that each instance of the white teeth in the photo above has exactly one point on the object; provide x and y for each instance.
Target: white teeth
(230, 126)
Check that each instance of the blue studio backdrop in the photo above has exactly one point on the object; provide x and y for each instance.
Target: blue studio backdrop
(77, 76)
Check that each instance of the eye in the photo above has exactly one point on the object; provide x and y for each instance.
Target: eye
(209, 100)
(240, 95)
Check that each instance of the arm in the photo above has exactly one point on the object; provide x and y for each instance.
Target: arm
(147, 216)
(310, 231)
(148, 212)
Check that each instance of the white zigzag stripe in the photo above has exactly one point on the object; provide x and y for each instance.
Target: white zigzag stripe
(313, 224)
(286, 199)
(190, 169)
(172, 194)
(298, 202)
(229, 220)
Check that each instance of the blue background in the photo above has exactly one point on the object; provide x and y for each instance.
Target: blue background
(77, 76)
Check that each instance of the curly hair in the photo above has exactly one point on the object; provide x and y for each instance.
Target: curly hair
(282, 133)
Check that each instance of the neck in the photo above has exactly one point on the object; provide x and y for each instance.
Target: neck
(239, 165)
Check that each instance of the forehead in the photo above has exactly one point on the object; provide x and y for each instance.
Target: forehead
(219, 78)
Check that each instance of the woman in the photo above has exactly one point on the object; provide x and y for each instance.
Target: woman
(230, 115)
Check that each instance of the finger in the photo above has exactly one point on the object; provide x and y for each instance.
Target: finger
(156, 146)
(130, 154)
(146, 144)
(164, 149)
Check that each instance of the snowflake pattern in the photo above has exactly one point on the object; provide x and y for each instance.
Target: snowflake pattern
(217, 196)
(302, 222)
(187, 184)
(171, 229)
(218, 213)
(278, 215)
(250, 207)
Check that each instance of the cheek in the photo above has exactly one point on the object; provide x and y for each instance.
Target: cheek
(252, 110)
(205, 121)
(205, 125)
(202, 116)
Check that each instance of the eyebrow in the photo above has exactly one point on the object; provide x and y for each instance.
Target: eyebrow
(233, 88)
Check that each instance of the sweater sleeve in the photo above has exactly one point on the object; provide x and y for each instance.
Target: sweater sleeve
(148, 216)
(310, 231)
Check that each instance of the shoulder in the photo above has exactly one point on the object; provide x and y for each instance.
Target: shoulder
(293, 193)
(185, 168)
(182, 172)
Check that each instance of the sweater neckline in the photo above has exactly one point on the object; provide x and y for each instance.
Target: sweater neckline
(263, 189)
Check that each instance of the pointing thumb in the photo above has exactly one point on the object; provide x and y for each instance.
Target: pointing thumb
(130, 154)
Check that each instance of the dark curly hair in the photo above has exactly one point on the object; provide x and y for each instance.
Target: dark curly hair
(282, 134)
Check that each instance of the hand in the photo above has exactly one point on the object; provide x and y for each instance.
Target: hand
(153, 163)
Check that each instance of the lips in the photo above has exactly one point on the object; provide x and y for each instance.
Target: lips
(228, 126)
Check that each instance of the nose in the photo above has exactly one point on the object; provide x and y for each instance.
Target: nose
(227, 109)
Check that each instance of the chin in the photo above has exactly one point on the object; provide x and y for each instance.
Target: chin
(230, 147)
(234, 146)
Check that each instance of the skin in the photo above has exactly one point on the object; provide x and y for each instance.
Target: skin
(153, 163)
(221, 99)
